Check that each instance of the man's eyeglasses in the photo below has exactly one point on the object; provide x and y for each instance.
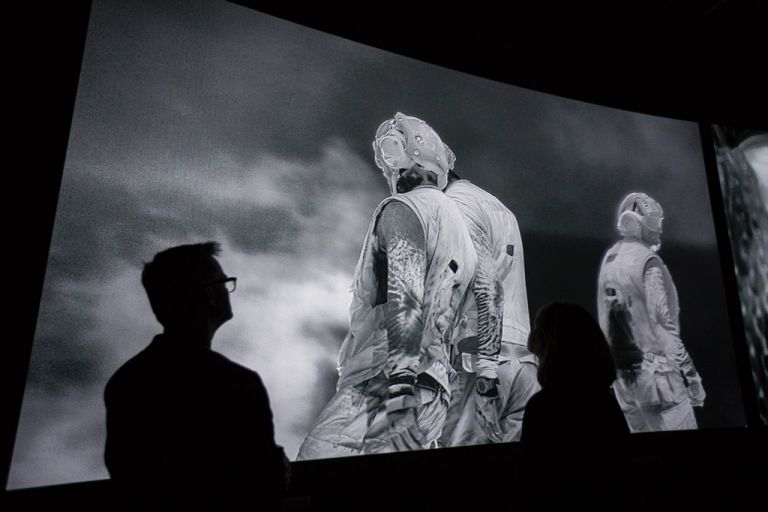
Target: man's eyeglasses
(229, 282)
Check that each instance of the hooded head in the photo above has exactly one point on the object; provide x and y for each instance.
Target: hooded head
(405, 141)
(640, 216)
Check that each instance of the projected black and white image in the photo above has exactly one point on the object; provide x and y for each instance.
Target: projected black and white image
(204, 120)
(742, 164)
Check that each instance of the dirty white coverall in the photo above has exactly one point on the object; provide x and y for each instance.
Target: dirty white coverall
(366, 360)
(479, 349)
(657, 383)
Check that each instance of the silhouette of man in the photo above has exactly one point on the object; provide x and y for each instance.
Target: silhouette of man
(184, 423)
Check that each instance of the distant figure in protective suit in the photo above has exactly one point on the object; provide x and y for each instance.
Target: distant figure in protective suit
(574, 435)
(657, 384)
(185, 425)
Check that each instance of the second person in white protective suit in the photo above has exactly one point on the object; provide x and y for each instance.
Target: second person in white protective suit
(657, 384)
(496, 372)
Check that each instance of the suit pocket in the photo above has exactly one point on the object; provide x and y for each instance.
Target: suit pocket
(666, 389)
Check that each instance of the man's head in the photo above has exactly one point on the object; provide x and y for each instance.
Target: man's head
(185, 284)
(407, 149)
(640, 216)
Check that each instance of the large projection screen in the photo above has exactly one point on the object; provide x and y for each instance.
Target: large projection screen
(199, 121)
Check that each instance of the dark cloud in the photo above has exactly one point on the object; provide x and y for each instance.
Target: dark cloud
(100, 221)
(207, 73)
(225, 79)
(64, 366)
(64, 358)
(255, 229)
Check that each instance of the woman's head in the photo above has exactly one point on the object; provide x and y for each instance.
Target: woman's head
(571, 348)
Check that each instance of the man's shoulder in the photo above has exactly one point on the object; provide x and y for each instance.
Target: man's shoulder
(470, 196)
(467, 188)
(611, 253)
(396, 205)
(426, 199)
(396, 211)
(151, 362)
(419, 195)
(219, 359)
(633, 249)
(463, 187)
(236, 372)
(420, 215)
(137, 368)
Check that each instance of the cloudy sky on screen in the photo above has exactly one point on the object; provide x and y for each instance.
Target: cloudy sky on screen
(201, 121)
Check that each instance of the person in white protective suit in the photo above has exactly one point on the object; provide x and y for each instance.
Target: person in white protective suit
(657, 384)
(416, 265)
(496, 372)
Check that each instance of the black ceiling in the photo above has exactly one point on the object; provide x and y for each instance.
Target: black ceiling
(700, 60)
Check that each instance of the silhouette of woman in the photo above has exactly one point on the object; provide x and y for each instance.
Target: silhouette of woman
(574, 435)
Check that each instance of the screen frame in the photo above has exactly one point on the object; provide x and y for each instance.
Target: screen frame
(62, 32)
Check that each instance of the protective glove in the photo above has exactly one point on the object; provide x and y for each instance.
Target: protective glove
(487, 408)
(696, 391)
(395, 426)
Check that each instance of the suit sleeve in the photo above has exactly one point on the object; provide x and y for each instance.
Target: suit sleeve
(402, 237)
(658, 308)
(489, 298)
